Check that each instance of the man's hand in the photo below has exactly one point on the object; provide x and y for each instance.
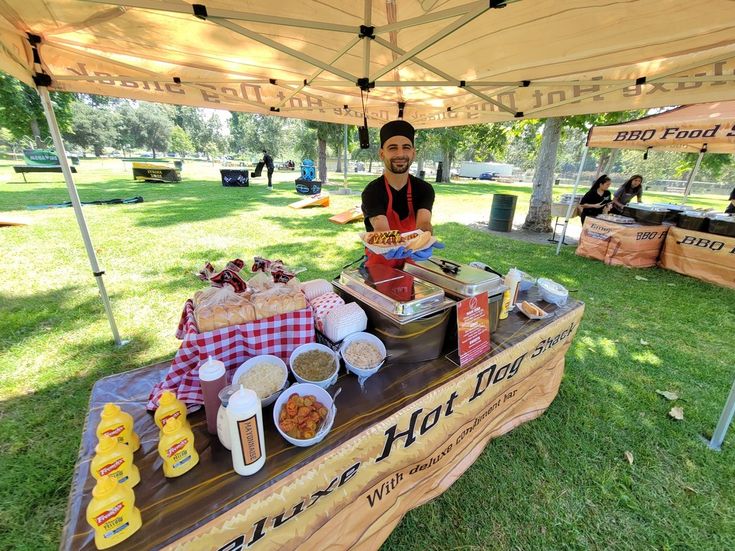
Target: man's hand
(400, 253)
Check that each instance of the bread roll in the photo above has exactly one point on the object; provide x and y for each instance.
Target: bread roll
(419, 243)
(213, 317)
(271, 304)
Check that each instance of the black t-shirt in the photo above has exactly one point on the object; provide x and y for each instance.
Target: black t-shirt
(375, 199)
(268, 160)
(594, 198)
(730, 207)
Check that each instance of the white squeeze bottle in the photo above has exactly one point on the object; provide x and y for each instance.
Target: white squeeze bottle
(245, 420)
(513, 281)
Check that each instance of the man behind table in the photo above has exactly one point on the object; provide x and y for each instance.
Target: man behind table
(396, 200)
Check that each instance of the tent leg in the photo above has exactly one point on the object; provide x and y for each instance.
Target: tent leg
(64, 162)
(574, 193)
(725, 419)
(690, 181)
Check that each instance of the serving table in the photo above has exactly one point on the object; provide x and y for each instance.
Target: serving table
(397, 442)
(706, 256)
(633, 245)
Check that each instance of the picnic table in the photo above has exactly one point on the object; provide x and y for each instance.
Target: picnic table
(396, 443)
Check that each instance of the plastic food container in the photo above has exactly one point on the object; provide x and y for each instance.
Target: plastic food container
(370, 339)
(722, 224)
(306, 389)
(693, 220)
(552, 292)
(315, 346)
(268, 359)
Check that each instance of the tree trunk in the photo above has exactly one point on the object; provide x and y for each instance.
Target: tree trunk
(370, 165)
(611, 161)
(323, 160)
(154, 152)
(339, 159)
(539, 212)
(97, 151)
(36, 131)
(446, 166)
(419, 166)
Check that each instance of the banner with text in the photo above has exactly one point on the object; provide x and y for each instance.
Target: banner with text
(365, 487)
(706, 256)
(634, 245)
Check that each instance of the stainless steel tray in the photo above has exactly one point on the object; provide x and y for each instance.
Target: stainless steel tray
(368, 302)
(394, 291)
(459, 279)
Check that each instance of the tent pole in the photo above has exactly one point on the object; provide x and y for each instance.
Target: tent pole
(725, 419)
(74, 196)
(345, 158)
(571, 204)
(690, 181)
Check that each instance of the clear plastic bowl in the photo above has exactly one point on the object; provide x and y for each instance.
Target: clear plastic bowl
(552, 292)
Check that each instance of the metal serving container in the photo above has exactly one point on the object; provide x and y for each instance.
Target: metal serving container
(462, 281)
(459, 279)
(393, 292)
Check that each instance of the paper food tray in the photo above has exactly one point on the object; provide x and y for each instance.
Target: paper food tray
(377, 249)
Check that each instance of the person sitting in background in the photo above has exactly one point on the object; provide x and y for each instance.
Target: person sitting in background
(730, 208)
(597, 200)
(633, 187)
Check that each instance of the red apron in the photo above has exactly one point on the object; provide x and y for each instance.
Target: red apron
(394, 223)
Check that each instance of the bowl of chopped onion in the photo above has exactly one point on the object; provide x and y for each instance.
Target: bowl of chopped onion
(265, 375)
(363, 353)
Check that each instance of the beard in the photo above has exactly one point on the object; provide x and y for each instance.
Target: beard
(402, 168)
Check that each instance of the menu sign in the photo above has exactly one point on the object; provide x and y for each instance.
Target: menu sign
(473, 328)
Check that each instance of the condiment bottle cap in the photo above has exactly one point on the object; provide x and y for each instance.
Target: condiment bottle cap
(167, 397)
(104, 486)
(106, 443)
(172, 425)
(110, 409)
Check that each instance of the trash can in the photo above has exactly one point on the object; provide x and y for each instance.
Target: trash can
(439, 172)
(422, 174)
(179, 164)
(502, 211)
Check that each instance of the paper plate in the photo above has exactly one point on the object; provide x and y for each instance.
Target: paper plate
(377, 249)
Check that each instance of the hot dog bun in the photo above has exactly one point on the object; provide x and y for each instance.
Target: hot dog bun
(420, 242)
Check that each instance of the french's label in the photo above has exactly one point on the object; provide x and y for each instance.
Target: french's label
(177, 447)
(115, 432)
(109, 514)
(174, 415)
(107, 469)
(249, 440)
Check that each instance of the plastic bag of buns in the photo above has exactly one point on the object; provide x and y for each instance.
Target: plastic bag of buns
(218, 307)
(279, 299)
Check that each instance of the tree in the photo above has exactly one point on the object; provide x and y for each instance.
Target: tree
(21, 111)
(151, 127)
(92, 127)
(447, 141)
(180, 142)
(253, 133)
(539, 212)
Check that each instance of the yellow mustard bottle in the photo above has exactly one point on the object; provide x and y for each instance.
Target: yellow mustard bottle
(176, 448)
(114, 459)
(115, 422)
(170, 406)
(112, 513)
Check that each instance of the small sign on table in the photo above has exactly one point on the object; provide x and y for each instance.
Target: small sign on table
(473, 328)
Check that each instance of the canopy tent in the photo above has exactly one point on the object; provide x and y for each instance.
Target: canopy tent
(438, 63)
(703, 128)
(699, 128)
(434, 63)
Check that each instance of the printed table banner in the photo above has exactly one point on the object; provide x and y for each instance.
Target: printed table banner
(397, 442)
(706, 256)
(631, 245)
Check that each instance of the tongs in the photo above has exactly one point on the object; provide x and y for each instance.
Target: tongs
(447, 266)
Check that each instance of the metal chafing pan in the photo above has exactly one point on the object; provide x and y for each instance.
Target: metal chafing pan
(393, 292)
(459, 279)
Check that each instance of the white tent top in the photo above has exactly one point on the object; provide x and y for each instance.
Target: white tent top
(450, 62)
(687, 129)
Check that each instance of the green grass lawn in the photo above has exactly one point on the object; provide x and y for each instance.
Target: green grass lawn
(559, 482)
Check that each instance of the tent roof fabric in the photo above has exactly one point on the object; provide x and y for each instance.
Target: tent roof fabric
(687, 129)
(443, 62)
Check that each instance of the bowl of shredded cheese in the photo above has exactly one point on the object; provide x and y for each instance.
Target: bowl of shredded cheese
(265, 375)
(363, 353)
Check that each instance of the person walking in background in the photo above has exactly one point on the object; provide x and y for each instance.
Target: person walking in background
(633, 187)
(268, 160)
(597, 200)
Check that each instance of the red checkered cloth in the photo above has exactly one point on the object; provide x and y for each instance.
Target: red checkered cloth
(277, 335)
